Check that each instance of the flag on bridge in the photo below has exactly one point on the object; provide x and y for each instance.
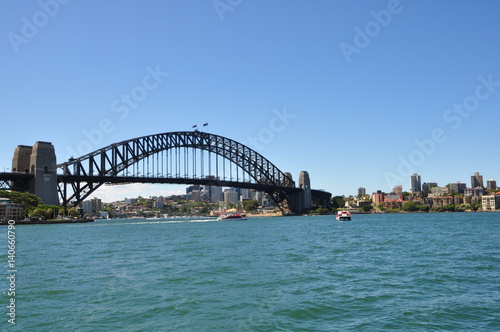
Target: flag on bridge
(205, 124)
(195, 126)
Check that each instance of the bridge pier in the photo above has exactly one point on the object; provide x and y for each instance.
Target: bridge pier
(301, 200)
(40, 161)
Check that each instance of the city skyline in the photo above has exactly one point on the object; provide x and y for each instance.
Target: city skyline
(183, 190)
(357, 94)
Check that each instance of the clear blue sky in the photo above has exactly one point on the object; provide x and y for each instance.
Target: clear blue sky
(358, 83)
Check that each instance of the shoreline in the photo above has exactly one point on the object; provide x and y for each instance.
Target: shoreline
(49, 222)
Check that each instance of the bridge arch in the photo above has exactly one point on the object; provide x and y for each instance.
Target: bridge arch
(115, 164)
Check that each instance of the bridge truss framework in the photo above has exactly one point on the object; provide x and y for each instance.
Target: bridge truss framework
(190, 157)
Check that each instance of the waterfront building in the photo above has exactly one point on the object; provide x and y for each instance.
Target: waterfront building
(362, 203)
(426, 187)
(96, 204)
(398, 190)
(87, 207)
(473, 192)
(439, 191)
(392, 197)
(361, 191)
(457, 187)
(468, 192)
(393, 203)
(478, 191)
(378, 197)
(490, 202)
(415, 183)
(448, 200)
(92, 206)
(491, 184)
(10, 210)
(476, 180)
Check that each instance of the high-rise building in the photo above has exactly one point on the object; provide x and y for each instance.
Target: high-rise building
(214, 193)
(92, 206)
(415, 183)
(398, 190)
(191, 188)
(231, 196)
(476, 180)
(491, 184)
(196, 195)
(457, 187)
(361, 191)
(426, 187)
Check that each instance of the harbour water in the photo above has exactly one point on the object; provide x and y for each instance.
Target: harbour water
(422, 272)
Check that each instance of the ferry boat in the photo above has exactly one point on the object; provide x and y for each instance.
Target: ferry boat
(233, 216)
(343, 215)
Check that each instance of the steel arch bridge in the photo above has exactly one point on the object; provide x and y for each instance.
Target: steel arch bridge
(188, 157)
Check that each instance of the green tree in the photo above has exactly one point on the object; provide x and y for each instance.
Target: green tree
(250, 205)
(39, 212)
(338, 202)
(425, 208)
(410, 206)
(367, 208)
(73, 212)
(320, 210)
(27, 200)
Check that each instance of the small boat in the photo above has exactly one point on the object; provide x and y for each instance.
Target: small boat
(343, 215)
(233, 216)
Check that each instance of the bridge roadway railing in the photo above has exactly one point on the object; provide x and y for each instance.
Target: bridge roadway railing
(174, 180)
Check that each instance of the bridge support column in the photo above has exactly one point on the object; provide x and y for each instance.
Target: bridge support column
(305, 185)
(39, 160)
